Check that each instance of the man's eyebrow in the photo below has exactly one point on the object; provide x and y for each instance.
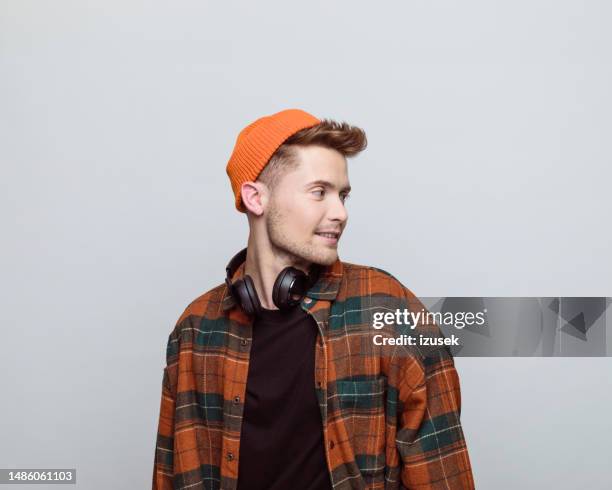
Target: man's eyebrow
(327, 184)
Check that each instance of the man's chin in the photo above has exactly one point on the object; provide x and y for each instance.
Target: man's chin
(321, 255)
(325, 259)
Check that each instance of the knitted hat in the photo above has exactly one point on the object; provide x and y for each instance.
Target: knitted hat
(258, 141)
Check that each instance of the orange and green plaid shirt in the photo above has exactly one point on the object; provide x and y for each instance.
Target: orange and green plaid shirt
(391, 414)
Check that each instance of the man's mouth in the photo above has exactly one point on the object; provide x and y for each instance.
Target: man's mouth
(329, 236)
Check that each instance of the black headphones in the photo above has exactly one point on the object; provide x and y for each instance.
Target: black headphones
(289, 284)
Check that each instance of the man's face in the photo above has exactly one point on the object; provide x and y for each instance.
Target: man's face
(307, 204)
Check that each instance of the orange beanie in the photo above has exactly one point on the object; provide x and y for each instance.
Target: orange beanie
(258, 141)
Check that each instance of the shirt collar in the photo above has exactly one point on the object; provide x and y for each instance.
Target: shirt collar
(326, 287)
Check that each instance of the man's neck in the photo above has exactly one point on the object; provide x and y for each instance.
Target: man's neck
(264, 265)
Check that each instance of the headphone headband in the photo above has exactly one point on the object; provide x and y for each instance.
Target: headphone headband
(233, 265)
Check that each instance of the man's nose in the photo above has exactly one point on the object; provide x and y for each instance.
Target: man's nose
(338, 211)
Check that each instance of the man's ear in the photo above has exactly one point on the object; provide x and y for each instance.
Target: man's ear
(253, 198)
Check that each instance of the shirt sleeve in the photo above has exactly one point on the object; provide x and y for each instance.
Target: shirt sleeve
(163, 466)
(430, 438)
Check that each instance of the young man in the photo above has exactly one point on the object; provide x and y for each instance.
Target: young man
(273, 379)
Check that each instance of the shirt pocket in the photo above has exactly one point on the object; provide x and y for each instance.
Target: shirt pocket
(362, 409)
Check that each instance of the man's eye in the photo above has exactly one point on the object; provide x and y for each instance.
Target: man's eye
(345, 197)
(319, 192)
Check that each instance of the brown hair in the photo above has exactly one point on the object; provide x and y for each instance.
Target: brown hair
(340, 136)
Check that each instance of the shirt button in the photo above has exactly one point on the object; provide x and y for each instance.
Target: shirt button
(331, 444)
(319, 384)
(230, 456)
(307, 300)
(236, 400)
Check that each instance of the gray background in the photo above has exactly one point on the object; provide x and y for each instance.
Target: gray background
(489, 135)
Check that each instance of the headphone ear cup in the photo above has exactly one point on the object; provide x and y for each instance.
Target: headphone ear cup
(247, 295)
(251, 294)
(290, 282)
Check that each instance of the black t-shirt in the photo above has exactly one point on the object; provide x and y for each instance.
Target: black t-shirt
(281, 444)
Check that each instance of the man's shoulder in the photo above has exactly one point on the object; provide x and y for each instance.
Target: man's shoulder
(207, 304)
(379, 280)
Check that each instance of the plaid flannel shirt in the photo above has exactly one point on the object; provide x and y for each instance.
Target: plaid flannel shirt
(391, 415)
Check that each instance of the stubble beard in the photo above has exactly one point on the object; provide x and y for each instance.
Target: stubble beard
(296, 252)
